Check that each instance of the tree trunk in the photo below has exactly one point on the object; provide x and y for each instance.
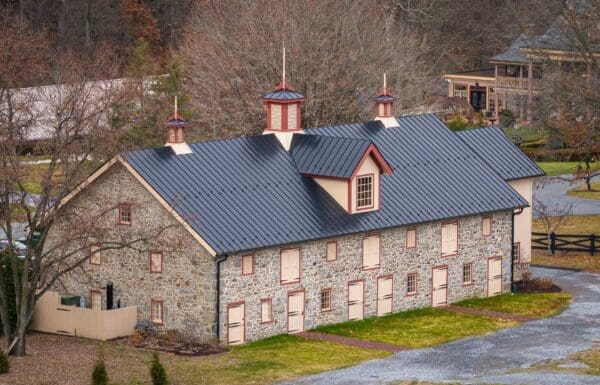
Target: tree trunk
(19, 349)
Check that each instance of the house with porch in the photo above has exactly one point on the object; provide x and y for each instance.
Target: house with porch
(300, 227)
(514, 77)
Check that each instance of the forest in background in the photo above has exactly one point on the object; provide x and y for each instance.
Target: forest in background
(228, 53)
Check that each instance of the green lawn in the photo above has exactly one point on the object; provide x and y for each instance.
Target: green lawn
(266, 361)
(417, 328)
(583, 192)
(529, 305)
(559, 168)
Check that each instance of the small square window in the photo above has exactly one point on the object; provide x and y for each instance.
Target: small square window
(331, 251)
(95, 255)
(467, 274)
(325, 299)
(156, 262)
(486, 226)
(411, 284)
(411, 238)
(124, 214)
(248, 264)
(364, 192)
(266, 310)
(517, 252)
(156, 312)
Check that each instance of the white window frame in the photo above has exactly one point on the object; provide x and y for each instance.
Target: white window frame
(470, 274)
(161, 311)
(365, 199)
(330, 298)
(409, 278)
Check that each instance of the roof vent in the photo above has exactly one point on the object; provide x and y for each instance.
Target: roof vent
(384, 103)
(176, 126)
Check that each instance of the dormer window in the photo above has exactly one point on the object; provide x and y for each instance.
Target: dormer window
(364, 192)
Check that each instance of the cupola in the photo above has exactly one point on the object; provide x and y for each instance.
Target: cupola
(384, 103)
(176, 127)
(283, 111)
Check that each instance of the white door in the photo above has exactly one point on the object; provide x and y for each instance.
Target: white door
(439, 296)
(356, 300)
(494, 276)
(235, 323)
(384, 295)
(296, 312)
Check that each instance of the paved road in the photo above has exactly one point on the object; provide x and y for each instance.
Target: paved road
(500, 358)
(554, 194)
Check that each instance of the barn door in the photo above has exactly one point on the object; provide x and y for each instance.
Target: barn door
(494, 276)
(439, 295)
(296, 312)
(384, 295)
(236, 328)
(356, 300)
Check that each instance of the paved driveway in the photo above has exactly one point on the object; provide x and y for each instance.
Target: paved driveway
(499, 358)
(554, 194)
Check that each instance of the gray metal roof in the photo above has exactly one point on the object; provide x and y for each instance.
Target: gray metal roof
(283, 94)
(246, 193)
(498, 152)
(514, 54)
(327, 155)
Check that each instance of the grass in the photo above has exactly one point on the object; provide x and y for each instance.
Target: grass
(574, 224)
(583, 192)
(529, 305)
(417, 328)
(559, 168)
(590, 357)
(270, 360)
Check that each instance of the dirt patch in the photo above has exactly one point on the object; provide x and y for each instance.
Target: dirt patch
(171, 342)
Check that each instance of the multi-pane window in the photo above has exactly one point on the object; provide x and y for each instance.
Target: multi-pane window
(467, 273)
(449, 239)
(486, 226)
(156, 311)
(325, 299)
(460, 91)
(156, 262)
(517, 252)
(248, 264)
(95, 257)
(411, 238)
(266, 310)
(125, 214)
(364, 191)
(331, 251)
(290, 266)
(411, 284)
(371, 252)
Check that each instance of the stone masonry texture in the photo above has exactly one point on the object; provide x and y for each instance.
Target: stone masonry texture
(317, 274)
(187, 284)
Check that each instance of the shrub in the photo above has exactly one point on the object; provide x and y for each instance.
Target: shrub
(506, 118)
(99, 375)
(457, 123)
(4, 364)
(157, 371)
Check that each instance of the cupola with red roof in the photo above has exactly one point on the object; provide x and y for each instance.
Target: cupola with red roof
(283, 110)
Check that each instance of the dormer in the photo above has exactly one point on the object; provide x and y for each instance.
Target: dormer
(283, 111)
(349, 170)
(384, 105)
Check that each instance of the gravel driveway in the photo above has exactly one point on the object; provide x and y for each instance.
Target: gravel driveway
(499, 358)
(554, 194)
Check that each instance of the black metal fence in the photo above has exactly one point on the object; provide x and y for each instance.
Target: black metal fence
(564, 242)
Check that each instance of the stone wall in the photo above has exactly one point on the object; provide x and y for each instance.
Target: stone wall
(187, 284)
(317, 274)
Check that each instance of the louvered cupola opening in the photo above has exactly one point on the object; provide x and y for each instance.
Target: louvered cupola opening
(283, 106)
(385, 102)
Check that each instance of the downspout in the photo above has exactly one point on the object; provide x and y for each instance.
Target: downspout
(218, 318)
(512, 253)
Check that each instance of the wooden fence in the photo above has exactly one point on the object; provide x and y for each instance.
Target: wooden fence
(51, 317)
(564, 242)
